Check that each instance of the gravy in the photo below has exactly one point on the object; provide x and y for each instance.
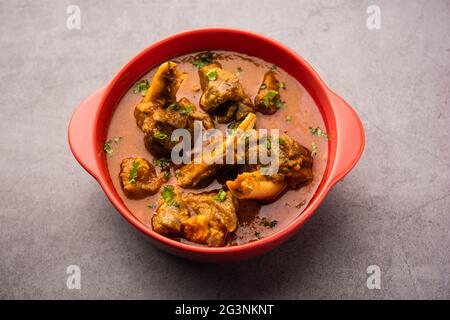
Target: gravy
(299, 114)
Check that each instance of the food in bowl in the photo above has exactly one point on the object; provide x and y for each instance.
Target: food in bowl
(215, 204)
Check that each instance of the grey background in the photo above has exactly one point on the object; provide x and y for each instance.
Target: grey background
(392, 210)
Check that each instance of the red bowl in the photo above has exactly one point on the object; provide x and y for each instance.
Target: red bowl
(89, 125)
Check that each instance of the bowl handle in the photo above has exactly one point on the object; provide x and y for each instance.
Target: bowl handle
(350, 137)
(81, 133)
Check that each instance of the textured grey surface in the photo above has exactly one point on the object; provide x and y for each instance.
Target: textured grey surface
(392, 210)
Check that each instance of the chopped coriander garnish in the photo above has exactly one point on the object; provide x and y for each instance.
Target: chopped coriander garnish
(174, 106)
(107, 145)
(212, 75)
(152, 206)
(272, 97)
(177, 173)
(266, 223)
(318, 132)
(160, 135)
(203, 59)
(279, 104)
(166, 175)
(186, 110)
(167, 194)
(268, 98)
(163, 163)
(220, 196)
(232, 126)
(282, 85)
(263, 86)
(141, 87)
(313, 148)
(280, 141)
(301, 204)
(288, 118)
(134, 172)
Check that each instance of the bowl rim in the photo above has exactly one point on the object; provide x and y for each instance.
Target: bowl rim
(279, 235)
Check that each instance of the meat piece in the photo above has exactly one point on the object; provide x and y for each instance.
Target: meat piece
(179, 115)
(200, 173)
(213, 216)
(194, 175)
(295, 161)
(223, 95)
(162, 92)
(268, 100)
(171, 213)
(138, 178)
(295, 167)
(205, 218)
(159, 114)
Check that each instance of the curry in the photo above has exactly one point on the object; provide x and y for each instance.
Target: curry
(220, 203)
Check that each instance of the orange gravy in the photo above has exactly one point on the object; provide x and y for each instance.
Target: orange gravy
(299, 107)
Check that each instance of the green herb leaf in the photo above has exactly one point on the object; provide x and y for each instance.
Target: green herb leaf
(174, 106)
(269, 224)
(232, 126)
(186, 110)
(163, 163)
(301, 204)
(167, 194)
(263, 86)
(166, 175)
(268, 98)
(160, 135)
(279, 104)
(288, 118)
(212, 75)
(280, 141)
(152, 206)
(318, 132)
(220, 196)
(203, 59)
(141, 87)
(107, 147)
(313, 149)
(134, 172)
